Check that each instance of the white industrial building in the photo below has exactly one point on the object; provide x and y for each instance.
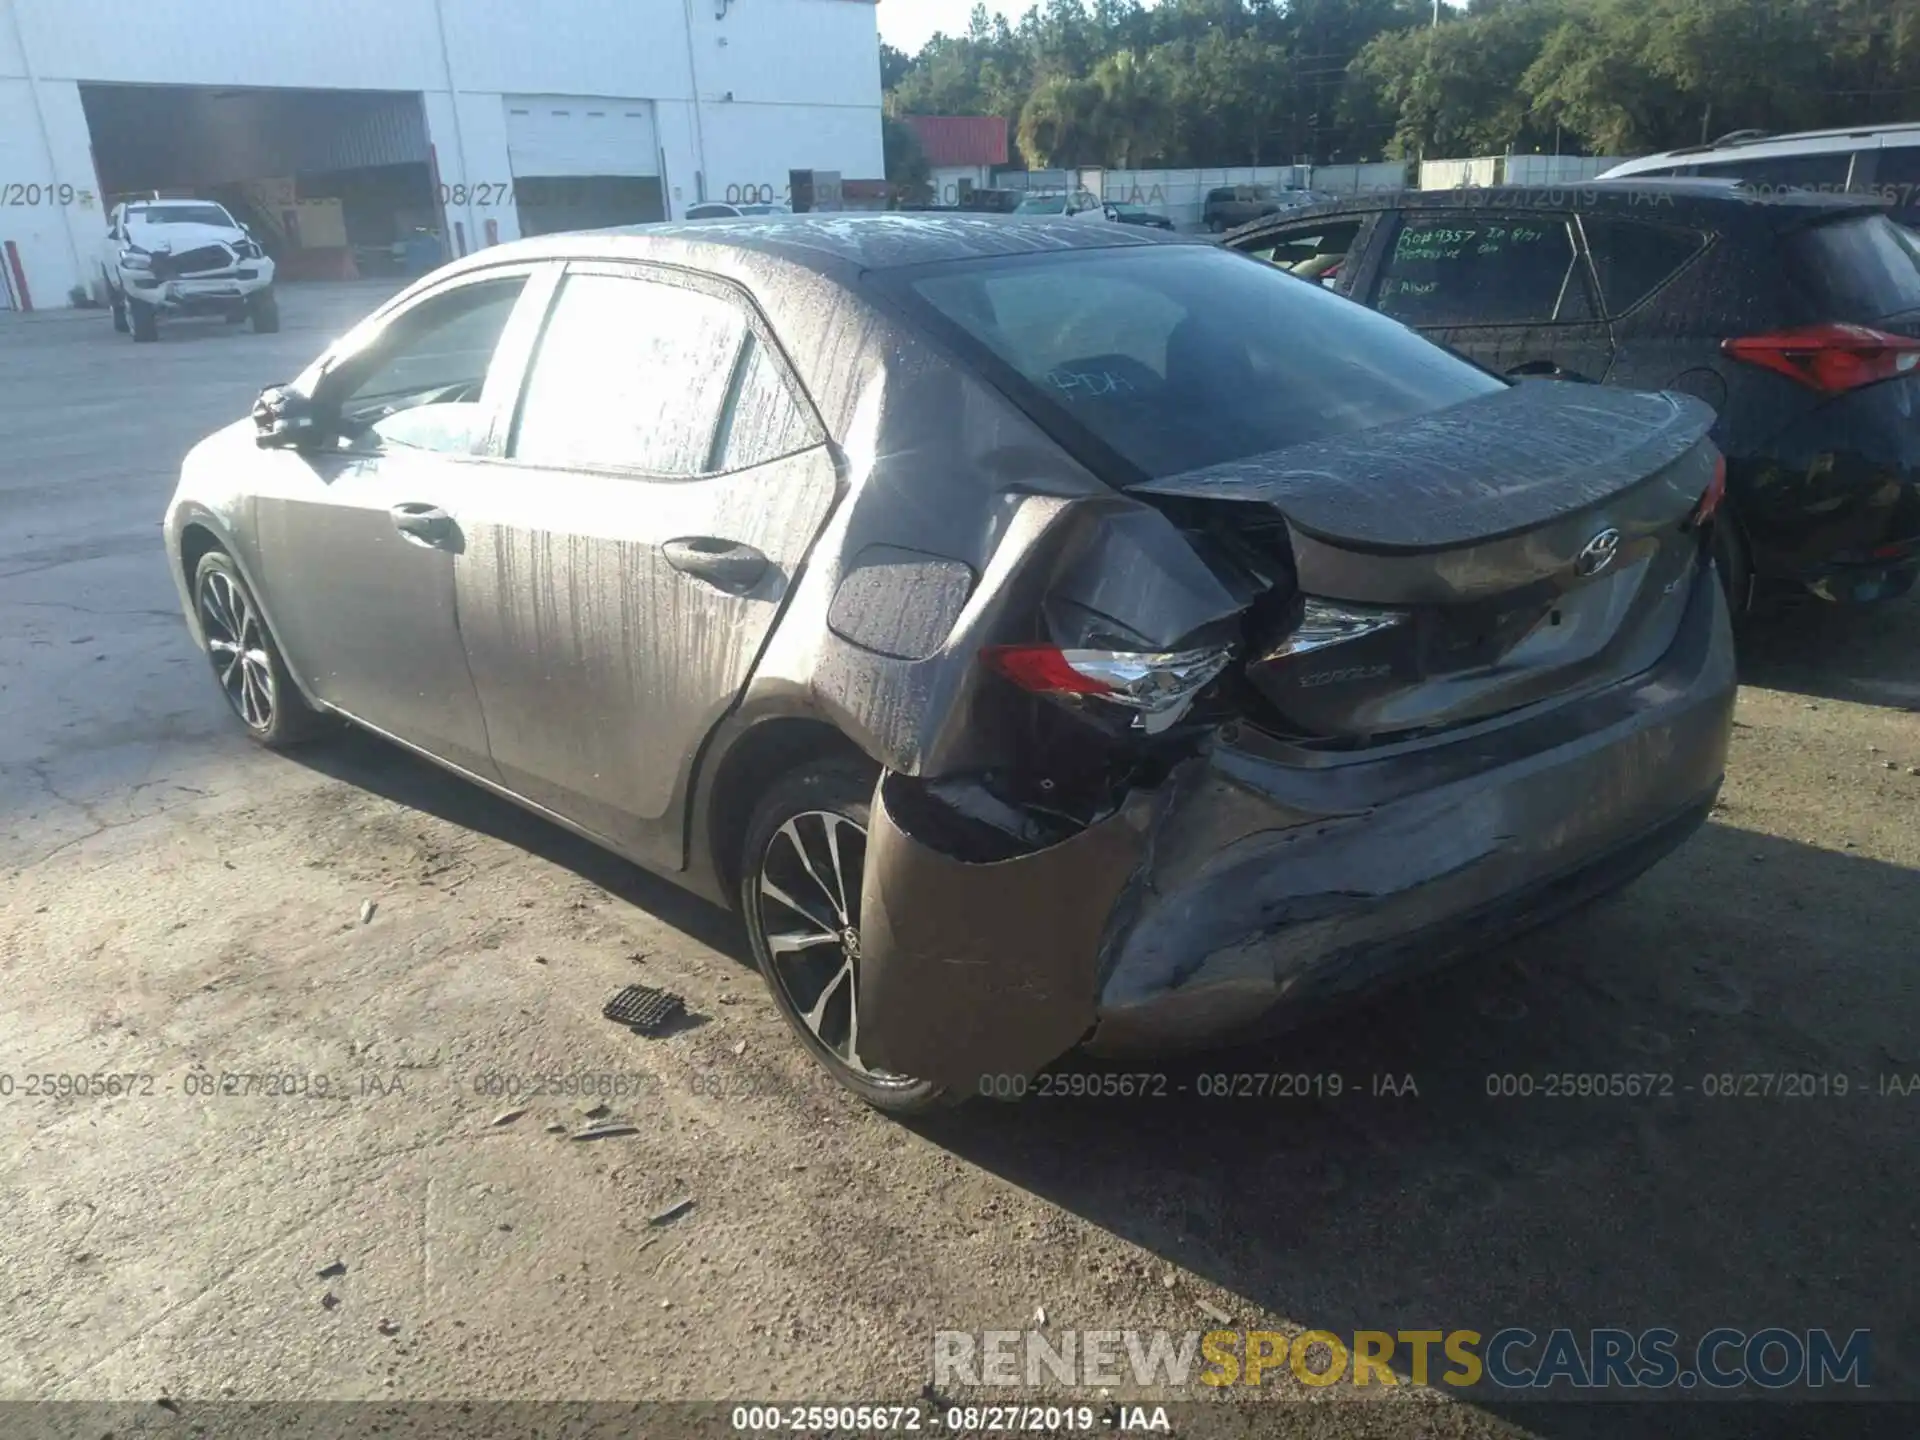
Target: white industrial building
(346, 127)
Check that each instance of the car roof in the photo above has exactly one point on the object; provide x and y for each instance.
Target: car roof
(1759, 144)
(1648, 197)
(828, 244)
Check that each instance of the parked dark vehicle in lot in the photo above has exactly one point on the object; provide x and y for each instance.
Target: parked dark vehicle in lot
(1129, 214)
(1046, 633)
(1232, 205)
(1795, 315)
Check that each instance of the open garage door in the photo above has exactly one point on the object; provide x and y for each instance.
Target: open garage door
(583, 164)
(333, 183)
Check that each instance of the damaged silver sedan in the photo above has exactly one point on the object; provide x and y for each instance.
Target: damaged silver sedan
(1047, 635)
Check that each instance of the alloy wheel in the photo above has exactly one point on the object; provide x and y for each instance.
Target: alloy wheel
(237, 645)
(809, 902)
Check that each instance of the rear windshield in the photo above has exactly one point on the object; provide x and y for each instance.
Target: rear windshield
(181, 215)
(1867, 268)
(1180, 357)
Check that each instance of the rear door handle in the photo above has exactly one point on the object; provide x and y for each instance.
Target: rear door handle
(724, 564)
(424, 524)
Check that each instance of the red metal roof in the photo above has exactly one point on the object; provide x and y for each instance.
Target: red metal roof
(962, 139)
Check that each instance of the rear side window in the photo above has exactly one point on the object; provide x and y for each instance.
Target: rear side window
(630, 375)
(1897, 178)
(1826, 170)
(1860, 269)
(1180, 357)
(1632, 260)
(762, 420)
(1471, 270)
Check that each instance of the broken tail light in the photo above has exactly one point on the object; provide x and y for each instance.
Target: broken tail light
(1831, 359)
(1158, 688)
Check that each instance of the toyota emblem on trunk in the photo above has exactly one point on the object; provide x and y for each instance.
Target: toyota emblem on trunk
(1598, 553)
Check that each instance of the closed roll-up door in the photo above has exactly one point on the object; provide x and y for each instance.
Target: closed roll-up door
(559, 135)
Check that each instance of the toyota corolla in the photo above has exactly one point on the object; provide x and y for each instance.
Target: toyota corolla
(1046, 635)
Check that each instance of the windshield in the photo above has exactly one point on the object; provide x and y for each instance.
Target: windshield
(1045, 206)
(182, 215)
(1187, 356)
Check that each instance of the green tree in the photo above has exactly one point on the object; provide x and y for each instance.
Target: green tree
(1059, 124)
(907, 168)
(1235, 82)
(1456, 89)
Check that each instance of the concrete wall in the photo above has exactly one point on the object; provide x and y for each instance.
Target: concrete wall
(1513, 170)
(803, 77)
(946, 181)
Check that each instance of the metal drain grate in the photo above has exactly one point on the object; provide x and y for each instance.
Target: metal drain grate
(645, 1009)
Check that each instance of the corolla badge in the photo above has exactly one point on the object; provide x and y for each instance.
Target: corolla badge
(1598, 553)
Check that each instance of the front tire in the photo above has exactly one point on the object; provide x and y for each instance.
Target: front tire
(143, 320)
(117, 303)
(801, 877)
(246, 660)
(264, 307)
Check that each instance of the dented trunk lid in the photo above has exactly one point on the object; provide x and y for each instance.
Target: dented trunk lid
(1507, 550)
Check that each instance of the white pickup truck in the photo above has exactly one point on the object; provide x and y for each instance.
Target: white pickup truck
(184, 257)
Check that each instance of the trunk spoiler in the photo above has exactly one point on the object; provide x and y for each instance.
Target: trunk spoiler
(1485, 469)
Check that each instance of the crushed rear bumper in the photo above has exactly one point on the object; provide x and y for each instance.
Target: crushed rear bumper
(1261, 880)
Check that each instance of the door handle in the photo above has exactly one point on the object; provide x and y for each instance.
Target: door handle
(724, 564)
(424, 524)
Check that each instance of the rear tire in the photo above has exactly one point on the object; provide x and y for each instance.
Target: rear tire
(1735, 569)
(143, 320)
(246, 658)
(264, 307)
(807, 841)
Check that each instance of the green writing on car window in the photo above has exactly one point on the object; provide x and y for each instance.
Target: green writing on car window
(1448, 244)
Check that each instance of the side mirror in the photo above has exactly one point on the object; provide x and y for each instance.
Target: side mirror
(284, 419)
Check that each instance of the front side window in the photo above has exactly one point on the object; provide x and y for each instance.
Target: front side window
(1473, 270)
(630, 374)
(1181, 357)
(418, 383)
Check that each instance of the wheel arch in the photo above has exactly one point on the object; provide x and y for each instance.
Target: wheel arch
(200, 533)
(752, 760)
